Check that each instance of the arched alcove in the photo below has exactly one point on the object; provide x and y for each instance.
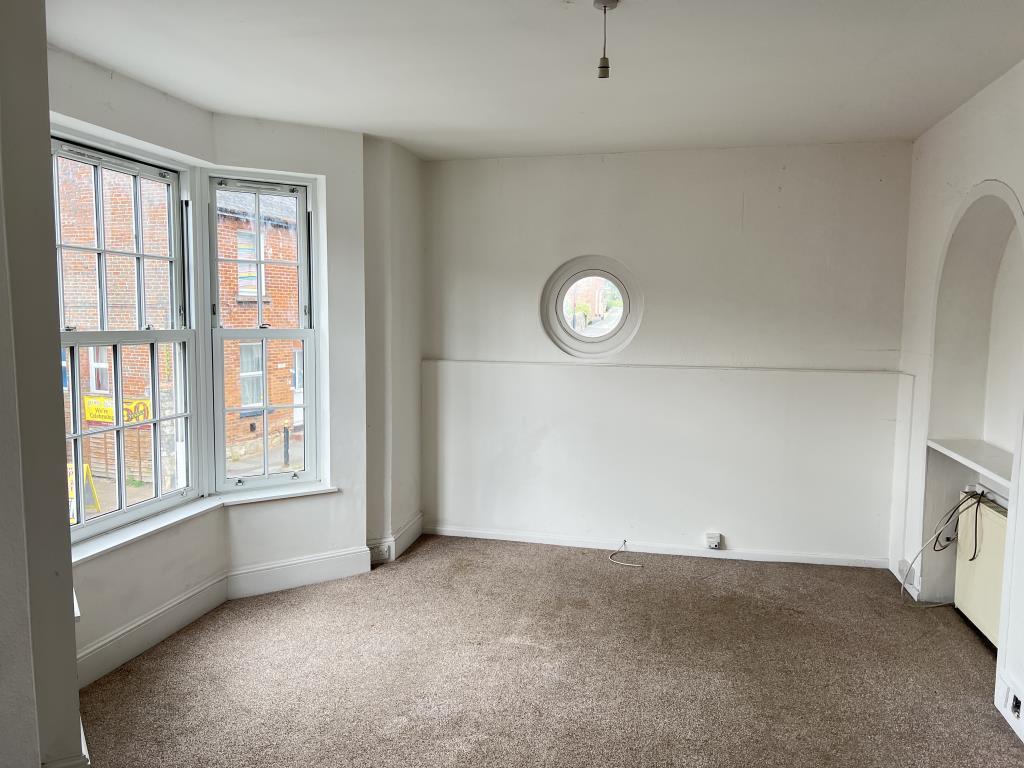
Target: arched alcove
(977, 367)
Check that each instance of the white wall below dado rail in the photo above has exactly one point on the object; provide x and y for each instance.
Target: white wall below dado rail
(786, 464)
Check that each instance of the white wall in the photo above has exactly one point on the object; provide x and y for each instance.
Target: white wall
(980, 141)
(589, 456)
(779, 269)
(262, 545)
(785, 257)
(134, 596)
(1005, 377)
(394, 318)
(17, 687)
(38, 696)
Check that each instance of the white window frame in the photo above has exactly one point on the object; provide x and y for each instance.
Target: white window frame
(300, 189)
(72, 340)
(95, 365)
(568, 339)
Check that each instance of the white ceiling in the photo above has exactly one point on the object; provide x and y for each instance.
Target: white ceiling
(457, 78)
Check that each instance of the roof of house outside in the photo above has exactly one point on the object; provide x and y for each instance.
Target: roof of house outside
(276, 210)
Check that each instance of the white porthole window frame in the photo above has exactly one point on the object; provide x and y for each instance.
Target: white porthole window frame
(565, 337)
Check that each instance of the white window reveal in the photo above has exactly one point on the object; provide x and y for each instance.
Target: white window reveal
(591, 306)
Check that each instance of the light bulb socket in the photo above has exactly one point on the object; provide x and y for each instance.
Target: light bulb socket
(603, 68)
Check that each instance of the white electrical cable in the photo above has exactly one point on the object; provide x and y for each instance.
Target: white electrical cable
(619, 562)
(939, 528)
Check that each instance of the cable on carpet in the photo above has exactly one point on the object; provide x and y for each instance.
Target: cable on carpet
(619, 562)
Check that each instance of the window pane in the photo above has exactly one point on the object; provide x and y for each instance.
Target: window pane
(100, 491)
(281, 295)
(243, 444)
(65, 382)
(237, 305)
(235, 211)
(243, 373)
(76, 197)
(171, 372)
(69, 450)
(250, 377)
(81, 288)
(173, 455)
(156, 217)
(122, 293)
(286, 445)
(284, 357)
(136, 383)
(278, 228)
(95, 376)
(138, 464)
(592, 307)
(118, 210)
(159, 297)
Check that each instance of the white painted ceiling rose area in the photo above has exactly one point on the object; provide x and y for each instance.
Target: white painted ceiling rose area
(478, 78)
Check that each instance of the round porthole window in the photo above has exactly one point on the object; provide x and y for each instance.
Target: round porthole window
(591, 306)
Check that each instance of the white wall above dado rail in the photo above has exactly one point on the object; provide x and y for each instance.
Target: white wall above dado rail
(765, 257)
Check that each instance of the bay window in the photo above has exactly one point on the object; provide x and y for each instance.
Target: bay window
(132, 356)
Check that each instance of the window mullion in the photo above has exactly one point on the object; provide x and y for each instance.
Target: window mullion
(117, 393)
(258, 237)
(76, 425)
(141, 320)
(266, 439)
(101, 261)
(154, 395)
(55, 170)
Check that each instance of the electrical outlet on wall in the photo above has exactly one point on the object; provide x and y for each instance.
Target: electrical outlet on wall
(380, 553)
(713, 540)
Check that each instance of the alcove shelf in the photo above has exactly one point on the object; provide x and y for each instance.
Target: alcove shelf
(977, 384)
(989, 461)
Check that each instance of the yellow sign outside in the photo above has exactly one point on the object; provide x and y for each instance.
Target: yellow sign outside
(92, 499)
(100, 409)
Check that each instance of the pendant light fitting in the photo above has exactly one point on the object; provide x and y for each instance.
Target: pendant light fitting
(603, 67)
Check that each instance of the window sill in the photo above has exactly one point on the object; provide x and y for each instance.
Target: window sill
(87, 549)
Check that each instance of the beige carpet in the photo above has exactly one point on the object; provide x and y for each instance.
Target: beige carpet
(483, 653)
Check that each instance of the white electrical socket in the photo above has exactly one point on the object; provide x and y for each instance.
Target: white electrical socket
(713, 540)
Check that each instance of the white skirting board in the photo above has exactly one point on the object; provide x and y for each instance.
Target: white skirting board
(400, 541)
(114, 649)
(1005, 691)
(77, 761)
(408, 533)
(296, 572)
(658, 549)
(124, 643)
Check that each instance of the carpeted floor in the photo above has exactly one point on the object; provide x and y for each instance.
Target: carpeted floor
(484, 653)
